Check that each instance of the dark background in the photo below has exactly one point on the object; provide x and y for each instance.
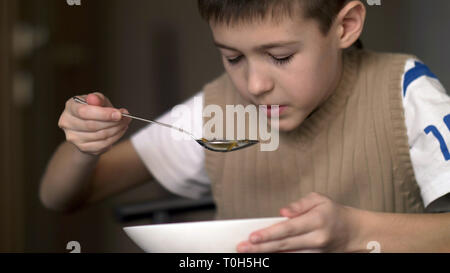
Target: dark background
(146, 56)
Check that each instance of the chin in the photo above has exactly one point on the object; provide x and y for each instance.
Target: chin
(287, 125)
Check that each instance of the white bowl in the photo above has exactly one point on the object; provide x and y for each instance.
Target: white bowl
(197, 237)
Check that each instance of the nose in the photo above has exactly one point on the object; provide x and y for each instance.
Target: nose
(258, 82)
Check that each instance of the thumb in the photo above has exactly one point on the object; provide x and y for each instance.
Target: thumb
(97, 99)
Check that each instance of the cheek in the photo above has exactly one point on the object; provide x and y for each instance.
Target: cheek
(312, 74)
(304, 85)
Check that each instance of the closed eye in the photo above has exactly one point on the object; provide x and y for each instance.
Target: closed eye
(278, 61)
(234, 60)
(282, 61)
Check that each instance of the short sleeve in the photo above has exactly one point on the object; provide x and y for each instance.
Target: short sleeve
(173, 158)
(427, 117)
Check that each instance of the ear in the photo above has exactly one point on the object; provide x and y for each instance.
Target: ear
(350, 23)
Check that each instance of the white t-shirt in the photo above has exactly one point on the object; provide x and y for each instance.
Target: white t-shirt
(177, 161)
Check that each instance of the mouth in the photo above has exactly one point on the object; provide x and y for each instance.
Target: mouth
(274, 111)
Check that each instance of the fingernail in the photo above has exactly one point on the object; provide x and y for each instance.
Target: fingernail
(116, 116)
(255, 239)
(244, 248)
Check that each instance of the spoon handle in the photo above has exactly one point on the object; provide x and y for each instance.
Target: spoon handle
(79, 100)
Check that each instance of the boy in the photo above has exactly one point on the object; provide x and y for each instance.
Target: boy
(352, 128)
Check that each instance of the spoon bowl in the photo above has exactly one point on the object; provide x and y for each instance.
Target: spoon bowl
(225, 145)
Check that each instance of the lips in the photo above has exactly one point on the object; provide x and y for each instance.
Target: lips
(273, 111)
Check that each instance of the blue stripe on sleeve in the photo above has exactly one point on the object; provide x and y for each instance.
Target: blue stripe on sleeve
(444, 149)
(414, 73)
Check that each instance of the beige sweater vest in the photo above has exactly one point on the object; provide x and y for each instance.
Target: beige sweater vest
(353, 149)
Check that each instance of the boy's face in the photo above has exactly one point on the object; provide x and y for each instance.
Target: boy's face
(291, 64)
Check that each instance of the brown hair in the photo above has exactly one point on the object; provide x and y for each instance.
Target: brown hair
(234, 11)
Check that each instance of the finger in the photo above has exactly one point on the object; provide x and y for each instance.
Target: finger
(69, 122)
(303, 205)
(125, 111)
(106, 101)
(284, 229)
(91, 112)
(101, 135)
(289, 213)
(309, 242)
(97, 147)
(97, 99)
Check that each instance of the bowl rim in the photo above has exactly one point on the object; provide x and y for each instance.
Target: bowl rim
(221, 221)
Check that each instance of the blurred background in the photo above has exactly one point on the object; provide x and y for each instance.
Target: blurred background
(146, 56)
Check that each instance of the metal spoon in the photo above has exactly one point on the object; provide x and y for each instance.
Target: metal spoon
(215, 145)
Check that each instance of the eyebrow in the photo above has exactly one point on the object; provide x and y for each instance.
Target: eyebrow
(261, 47)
